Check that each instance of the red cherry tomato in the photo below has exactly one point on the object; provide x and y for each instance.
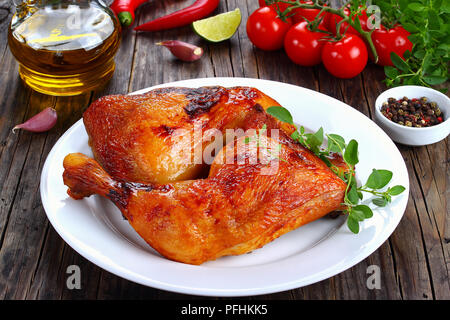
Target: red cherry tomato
(282, 6)
(390, 40)
(302, 45)
(309, 14)
(265, 30)
(345, 58)
(298, 15)
(335, 19)
(322, 25)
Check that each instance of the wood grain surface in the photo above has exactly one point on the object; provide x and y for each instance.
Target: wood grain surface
(414, 261)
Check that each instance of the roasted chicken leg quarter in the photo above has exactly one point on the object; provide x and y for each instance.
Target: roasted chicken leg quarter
(135, 138)
(238, 206)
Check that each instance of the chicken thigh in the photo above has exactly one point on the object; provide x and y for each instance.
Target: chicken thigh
(239, 207)
(142, 138)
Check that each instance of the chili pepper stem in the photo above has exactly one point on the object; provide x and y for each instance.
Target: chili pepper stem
(125, 18)
(357, 26)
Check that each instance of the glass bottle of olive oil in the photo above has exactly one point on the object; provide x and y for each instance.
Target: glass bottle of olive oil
(64, 47)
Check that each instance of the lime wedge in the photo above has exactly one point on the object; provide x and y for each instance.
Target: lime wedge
(220, 27)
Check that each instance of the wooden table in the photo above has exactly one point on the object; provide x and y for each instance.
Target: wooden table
(414, 261)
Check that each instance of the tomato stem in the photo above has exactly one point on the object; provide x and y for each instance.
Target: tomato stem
(339, 36)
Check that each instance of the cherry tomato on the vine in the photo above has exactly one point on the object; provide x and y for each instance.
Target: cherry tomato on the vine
(282, 6)
(335, 19)
(303, 46)
(310, 15)
(300, 14)
(390, 40)
(345, 58)
(266, 30)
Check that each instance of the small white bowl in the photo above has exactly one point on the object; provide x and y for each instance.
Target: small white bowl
(409, 135)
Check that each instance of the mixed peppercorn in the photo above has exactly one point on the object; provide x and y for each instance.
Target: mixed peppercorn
(418, 113)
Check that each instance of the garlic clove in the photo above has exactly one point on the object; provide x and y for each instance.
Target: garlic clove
(183, 50)
(41, 122)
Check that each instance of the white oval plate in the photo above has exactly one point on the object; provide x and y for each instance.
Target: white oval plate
(95, 228)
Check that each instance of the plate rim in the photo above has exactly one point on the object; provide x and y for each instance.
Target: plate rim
(137, 278)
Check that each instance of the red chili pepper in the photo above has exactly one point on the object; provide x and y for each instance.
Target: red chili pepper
(124, 9)
(439, 119)
(198, 10)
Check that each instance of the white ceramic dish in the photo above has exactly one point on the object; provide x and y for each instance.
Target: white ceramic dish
(408, 135)
(319, 250)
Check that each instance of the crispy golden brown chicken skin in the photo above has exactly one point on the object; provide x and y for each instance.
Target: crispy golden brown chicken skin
(239, 206)
(134, 138)
(235, 210)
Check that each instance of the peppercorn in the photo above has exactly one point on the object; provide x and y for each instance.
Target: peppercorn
(414, 112)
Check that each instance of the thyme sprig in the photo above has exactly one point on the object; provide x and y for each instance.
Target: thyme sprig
(375, 184)
(257, 136)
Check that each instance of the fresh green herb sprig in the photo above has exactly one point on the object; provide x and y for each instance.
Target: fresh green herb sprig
(257, 137)
(375, 184)
(429, 24)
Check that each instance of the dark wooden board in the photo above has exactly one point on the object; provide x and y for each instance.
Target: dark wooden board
(414, 261)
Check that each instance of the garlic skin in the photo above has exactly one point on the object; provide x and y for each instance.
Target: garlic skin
(183, 50)
(41, 122)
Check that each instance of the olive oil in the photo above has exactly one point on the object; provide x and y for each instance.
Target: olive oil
(65, 49)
